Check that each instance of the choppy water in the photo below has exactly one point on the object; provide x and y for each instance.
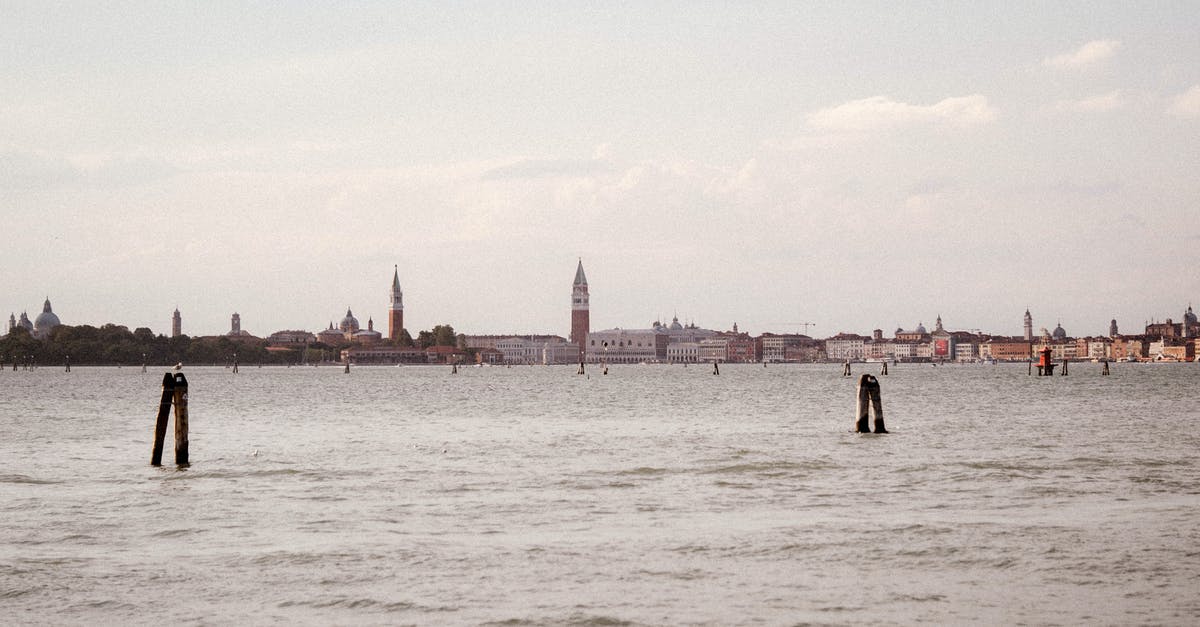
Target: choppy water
(653, 495)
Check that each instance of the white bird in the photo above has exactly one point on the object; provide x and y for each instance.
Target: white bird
(179, 366)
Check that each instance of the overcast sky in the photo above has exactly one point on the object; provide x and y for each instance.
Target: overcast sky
(853, 165)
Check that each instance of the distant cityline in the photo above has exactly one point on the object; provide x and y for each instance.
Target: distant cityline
(677, 343)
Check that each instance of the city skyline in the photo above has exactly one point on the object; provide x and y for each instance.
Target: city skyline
(580, 324)
(856, 166)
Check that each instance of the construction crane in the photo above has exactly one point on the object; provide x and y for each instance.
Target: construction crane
(794, 324)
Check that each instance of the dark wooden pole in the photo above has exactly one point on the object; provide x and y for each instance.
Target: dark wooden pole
(869, 402)
(862, 407)
(1105, 370)
(884, 369)
(716, 369)
(181, 419)
(160, 426)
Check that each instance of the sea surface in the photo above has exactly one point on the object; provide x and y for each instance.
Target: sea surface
(654, 495)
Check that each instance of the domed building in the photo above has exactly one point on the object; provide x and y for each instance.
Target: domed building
(349, 325)
(45, 322)
(1059, 334)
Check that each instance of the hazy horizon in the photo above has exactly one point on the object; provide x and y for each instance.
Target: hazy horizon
(857, 166)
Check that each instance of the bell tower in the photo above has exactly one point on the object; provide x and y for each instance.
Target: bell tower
(1028, 326)
(580, 321)
(396, 309)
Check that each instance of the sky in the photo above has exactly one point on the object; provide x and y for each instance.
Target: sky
(850, 165)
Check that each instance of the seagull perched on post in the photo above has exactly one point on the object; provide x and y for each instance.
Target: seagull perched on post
(179, 366)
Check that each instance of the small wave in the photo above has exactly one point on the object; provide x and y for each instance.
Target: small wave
(26, 480)
(598, 621)
(767, 469)
(175, 533)
(645, 471)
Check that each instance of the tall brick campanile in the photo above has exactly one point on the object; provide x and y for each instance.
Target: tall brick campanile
(396, 309)
(580, 322)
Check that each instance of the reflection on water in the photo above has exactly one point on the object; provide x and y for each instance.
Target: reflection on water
(655, 494)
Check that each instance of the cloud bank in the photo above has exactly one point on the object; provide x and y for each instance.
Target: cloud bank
(881, 112)
(1088, 54)
(1187, 104)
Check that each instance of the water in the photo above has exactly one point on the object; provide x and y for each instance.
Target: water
(653, 495)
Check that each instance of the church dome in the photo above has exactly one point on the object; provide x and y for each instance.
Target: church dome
(675, 326)
(1059, 333)
(1189, 317)
(349, 323)
(921, 328)
(45, 321)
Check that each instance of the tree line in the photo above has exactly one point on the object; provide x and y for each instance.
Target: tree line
(116, 345)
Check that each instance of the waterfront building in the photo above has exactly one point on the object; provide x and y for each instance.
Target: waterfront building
(24, 322)
(713, 349)
(625, 346)
(1130, 348)
(479, 342)
(396, 308)
(291, 338)
(847, 347)
(384, 355)
(904, 351)
(1097, 347)
(331, 336)
(1009, 349)
(176, 324)
(683, 352)
(941, 342)
(580, 314)
(774, 347)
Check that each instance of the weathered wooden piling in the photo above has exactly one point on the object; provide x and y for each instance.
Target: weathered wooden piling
(181, 419)
(160, 425)
(453, 368)
(1104, 371)
(347, 370)
(68, 363)
(869, 402)
(846, 368)
(581, 370)
(884, 371)
(716, 369)
(1064, 370)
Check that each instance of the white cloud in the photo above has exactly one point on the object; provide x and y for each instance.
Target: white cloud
(880, 112)
(1187, 104)
(1090, 53)
(1095, 104)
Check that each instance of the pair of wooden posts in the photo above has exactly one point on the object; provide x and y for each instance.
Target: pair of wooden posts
(869, 401)
(175, 391)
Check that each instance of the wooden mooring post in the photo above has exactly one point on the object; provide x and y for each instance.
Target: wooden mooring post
(846, 369)
(716, 369)
(869, 402)
(1104, 371)
(181, 419)
(1064, 370)
(175, 391)
(884, 371)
